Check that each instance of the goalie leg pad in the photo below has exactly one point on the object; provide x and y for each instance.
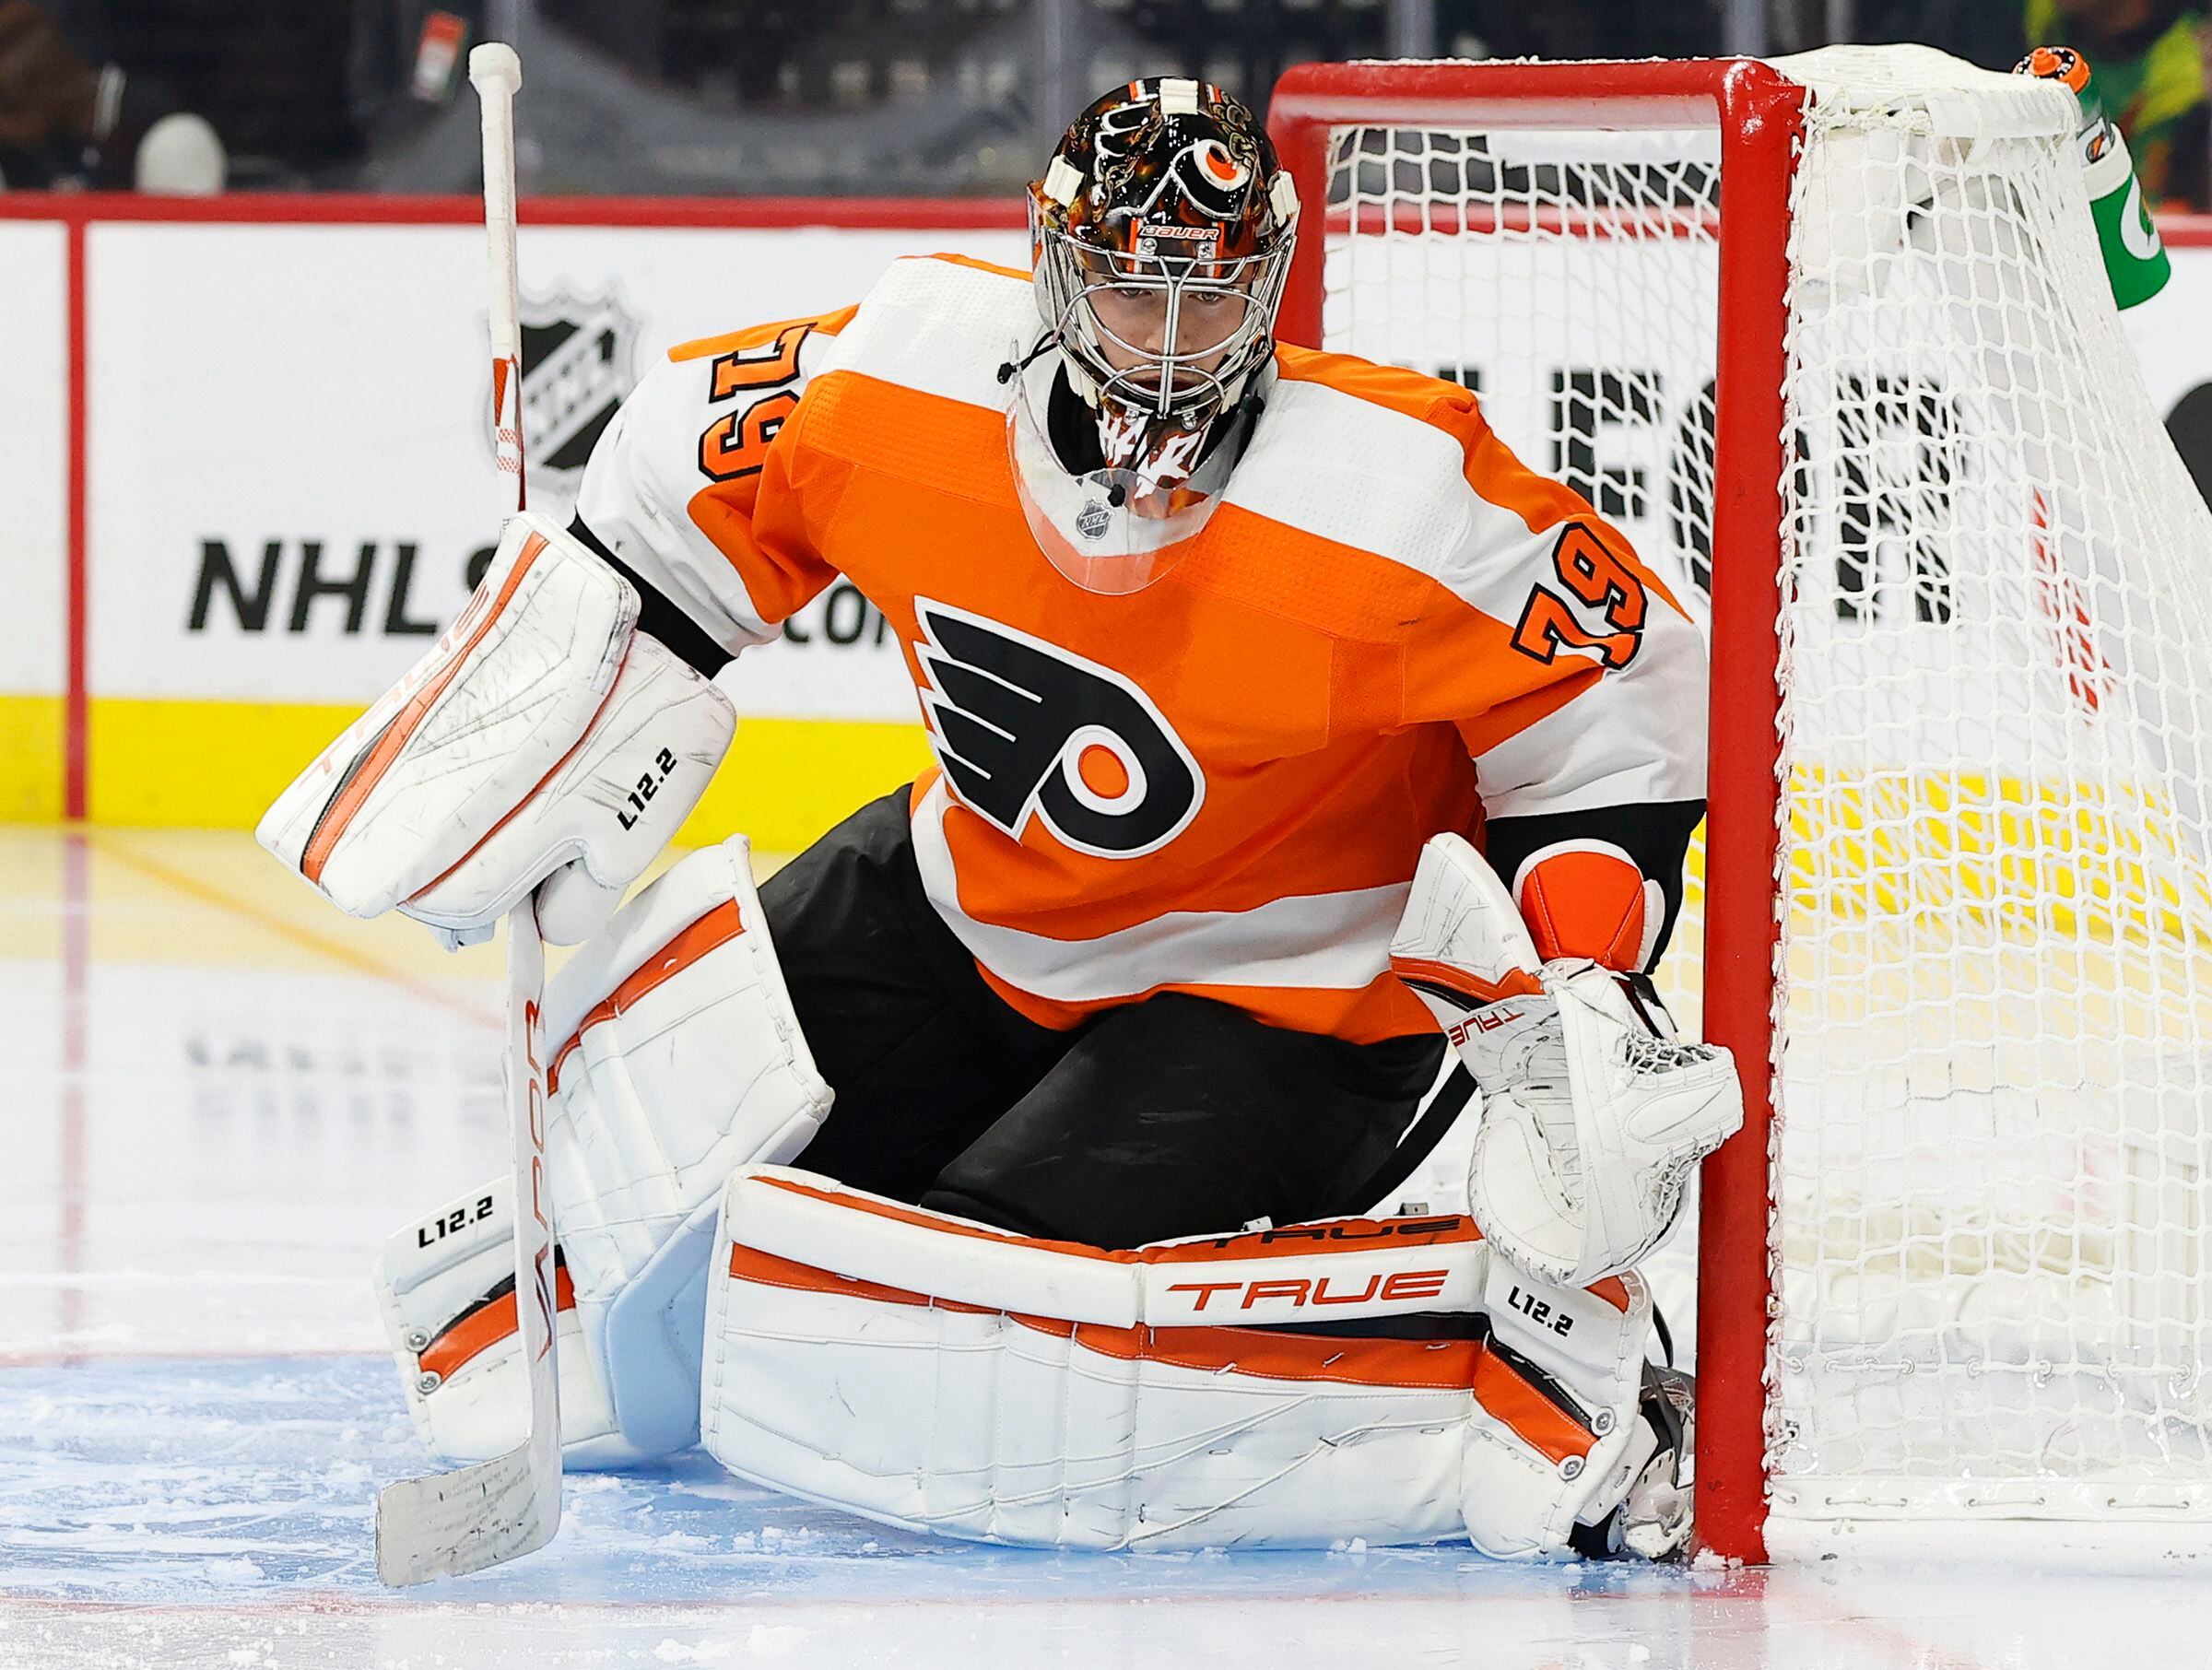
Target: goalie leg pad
(856, 1355)
(540, 738)
(445, 1286)
(678, 1059)
(1556, 1417)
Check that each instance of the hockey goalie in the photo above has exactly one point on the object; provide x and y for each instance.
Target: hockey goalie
(1007, 1164)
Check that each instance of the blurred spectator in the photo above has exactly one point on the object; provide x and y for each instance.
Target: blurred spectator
(293, 86)
(653, 95)
(2147, 58)
(1988, 32)
(1577, 29)
(65, 123)
(868, 95)
(276, 93)
(862, 96)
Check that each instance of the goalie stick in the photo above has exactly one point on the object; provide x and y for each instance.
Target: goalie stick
(448, 1524)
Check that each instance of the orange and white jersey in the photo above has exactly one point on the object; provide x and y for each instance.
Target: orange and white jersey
(1219, 784)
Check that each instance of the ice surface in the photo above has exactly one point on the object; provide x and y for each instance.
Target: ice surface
(226, 1096)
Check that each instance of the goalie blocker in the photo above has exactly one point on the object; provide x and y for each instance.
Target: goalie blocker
(938, 1374)
(542, 742)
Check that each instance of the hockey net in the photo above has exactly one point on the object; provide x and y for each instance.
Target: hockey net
(1964, 609)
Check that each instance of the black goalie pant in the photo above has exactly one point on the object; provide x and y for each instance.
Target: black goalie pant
(1175, 1115)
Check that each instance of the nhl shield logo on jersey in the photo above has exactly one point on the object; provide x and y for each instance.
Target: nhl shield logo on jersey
(579, 361)
(1024, 729)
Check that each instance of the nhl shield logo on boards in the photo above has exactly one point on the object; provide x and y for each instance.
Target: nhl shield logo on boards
(1025, 730)
(579, 364)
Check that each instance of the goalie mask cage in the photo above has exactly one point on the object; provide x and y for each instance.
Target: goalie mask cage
(1831, 340)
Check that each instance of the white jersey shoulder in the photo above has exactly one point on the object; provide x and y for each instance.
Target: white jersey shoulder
(1358, 474)
(939, 325)
(1386, 479)
(942, 327)
(1378, 477)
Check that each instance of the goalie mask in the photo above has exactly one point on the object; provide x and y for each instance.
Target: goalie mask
(1162, 233)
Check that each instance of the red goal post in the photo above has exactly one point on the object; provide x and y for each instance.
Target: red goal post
(1756, 112)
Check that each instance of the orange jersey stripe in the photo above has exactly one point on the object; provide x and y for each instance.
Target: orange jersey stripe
(1495, 472)
(1492, 468)
(952, 259)
(759, 335)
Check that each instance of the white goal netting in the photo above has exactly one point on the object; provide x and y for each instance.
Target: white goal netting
(1993, 1211)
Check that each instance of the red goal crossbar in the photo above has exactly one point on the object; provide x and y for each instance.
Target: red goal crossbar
(1758, 114)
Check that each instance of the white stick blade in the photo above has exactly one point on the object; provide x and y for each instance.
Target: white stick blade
(451, 1524)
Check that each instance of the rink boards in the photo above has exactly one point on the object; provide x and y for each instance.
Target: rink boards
(243, 447)
(270, 485)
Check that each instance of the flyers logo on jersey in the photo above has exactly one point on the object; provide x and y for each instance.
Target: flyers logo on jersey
(1026, 730)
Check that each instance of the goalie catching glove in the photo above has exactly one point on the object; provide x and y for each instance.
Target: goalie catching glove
(1593, 1111)
(542, 743)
